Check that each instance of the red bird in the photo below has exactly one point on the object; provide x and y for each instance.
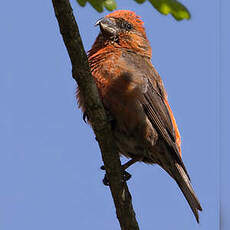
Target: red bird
(133, 93)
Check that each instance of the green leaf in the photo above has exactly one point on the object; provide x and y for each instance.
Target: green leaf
(173, 7)
(82, 2)
(110, 5)
(98, 5)
(140, 1)
(178, 11)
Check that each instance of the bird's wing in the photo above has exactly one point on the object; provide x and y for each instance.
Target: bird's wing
(156, 107)
(154, 101)
(152, 96)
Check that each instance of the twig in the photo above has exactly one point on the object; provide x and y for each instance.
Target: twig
(101, 126)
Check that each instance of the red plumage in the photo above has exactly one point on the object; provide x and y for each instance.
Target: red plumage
(133, 93)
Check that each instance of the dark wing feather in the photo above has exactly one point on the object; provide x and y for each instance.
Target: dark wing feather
(158, 114)
(154, 95)
(152, 98)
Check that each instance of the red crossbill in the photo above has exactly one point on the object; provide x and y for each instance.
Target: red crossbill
(133, 93)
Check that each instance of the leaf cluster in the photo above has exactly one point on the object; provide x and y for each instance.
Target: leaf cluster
(165, 7)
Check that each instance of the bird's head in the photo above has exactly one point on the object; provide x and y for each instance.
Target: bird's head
(123, 28)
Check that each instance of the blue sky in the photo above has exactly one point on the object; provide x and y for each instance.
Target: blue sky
(50, 162)
(224, 116)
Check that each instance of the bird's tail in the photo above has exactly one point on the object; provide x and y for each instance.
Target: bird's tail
(182, 179)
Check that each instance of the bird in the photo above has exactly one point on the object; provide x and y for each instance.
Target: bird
(133, 94)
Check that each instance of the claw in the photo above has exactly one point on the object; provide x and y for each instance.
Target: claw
(126, 176)
(85, 117)
(105, 180)
(102, 167)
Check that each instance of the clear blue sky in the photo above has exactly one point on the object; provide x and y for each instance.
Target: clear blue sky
(50, 175)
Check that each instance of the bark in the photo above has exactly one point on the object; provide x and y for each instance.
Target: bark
(94, 108)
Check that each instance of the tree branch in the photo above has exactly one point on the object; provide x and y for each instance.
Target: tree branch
(81, 73)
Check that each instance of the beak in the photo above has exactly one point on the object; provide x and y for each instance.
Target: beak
(98, 22)
(107, 26)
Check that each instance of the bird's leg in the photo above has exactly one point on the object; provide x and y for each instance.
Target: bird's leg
(129, 163)
(126, 175)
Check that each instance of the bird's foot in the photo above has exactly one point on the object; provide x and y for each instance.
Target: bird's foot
(126, 176)
(105, 180)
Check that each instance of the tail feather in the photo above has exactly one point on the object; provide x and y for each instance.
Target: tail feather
(184, 183)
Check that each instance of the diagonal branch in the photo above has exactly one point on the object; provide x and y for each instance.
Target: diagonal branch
(81, 73)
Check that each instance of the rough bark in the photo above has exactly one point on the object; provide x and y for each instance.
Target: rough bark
(81, 73)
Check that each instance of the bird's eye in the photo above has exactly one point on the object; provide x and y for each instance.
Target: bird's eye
(129, 26)
(124, 25)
